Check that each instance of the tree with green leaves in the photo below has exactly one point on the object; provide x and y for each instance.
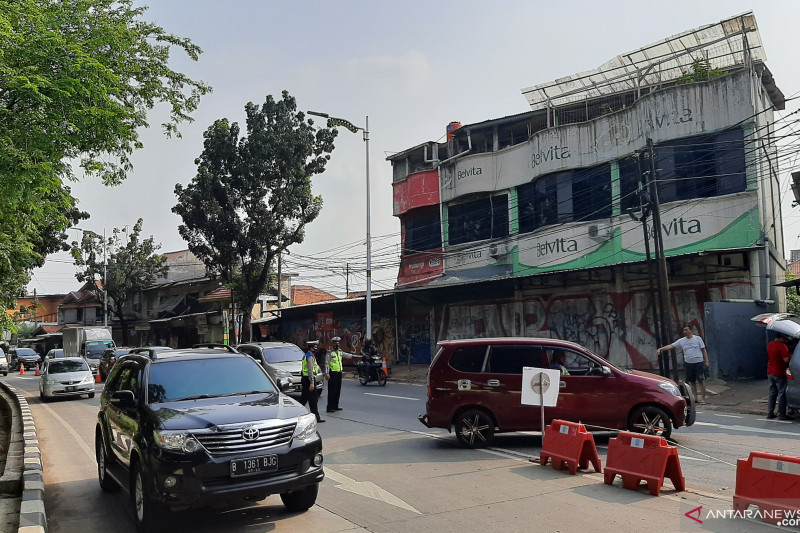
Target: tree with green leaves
(77, 79)
(251, 198)
(128, 266)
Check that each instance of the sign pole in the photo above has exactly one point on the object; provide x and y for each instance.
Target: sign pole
(541, 400)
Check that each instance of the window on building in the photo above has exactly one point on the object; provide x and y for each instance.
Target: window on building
(423, 232)
(569, 196)
(701, 166)
(481, 219)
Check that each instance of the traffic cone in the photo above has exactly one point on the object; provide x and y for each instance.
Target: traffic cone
(97, 378)
(21, 369)
(383, 367)
(37, 369)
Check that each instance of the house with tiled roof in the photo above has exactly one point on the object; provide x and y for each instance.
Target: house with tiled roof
(306, 294)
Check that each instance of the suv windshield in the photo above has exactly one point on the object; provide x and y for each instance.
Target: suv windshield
(95, 349)
(176, 379)
(26, 351)
(62, 367)
(282, 354)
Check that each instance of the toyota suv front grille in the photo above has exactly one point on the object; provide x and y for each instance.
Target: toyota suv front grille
(248, 438)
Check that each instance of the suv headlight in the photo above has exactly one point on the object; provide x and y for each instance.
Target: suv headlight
(670, 388)
(306, 426)
(176, 441)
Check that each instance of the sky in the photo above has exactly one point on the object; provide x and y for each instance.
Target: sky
(411, 67)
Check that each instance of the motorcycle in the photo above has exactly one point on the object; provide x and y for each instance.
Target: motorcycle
(371, 369)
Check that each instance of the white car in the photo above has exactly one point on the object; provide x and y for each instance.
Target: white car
(3, 363)
(66, 376)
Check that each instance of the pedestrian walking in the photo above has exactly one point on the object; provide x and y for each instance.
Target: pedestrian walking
(777, 362)
(307, 377)
(695, 360)
(333, 373)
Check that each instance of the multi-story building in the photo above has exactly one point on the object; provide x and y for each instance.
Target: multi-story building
(530, 225)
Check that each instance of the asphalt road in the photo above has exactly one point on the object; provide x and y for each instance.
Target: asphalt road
(386, 472)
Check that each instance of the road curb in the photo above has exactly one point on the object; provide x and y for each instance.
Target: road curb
(23, 473)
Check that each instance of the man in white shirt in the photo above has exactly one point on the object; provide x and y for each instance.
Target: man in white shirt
(695, 359)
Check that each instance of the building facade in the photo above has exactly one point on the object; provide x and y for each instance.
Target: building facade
(531, 225)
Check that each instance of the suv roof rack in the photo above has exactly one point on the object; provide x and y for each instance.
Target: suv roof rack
(228, 347)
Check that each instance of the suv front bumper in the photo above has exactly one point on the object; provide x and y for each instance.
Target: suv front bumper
(205, 480)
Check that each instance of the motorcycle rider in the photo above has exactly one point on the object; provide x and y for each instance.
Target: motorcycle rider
(368, 351)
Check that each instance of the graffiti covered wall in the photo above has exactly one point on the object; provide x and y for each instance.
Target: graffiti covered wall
(617, 326)
(327, 325)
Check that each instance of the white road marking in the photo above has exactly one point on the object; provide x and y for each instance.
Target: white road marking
(748, 429)
(728, 416)
(71, 431)
(390, 396)
(366, 489)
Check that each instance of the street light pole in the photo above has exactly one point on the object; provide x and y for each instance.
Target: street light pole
(334, 121)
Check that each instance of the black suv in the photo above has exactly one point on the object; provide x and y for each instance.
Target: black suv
(23, 356)
(192, 427)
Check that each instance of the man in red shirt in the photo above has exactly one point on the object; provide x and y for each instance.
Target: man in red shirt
(778, 361)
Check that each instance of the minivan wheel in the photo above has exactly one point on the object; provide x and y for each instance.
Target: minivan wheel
(474, 428)
(106, 483)
(651, 420)
(297, 501)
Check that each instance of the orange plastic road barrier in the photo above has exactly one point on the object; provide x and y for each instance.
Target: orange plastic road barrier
(770, 481)
(37, 369)
(383, 367)
(21, 369)
(570, 443)
(636, 458)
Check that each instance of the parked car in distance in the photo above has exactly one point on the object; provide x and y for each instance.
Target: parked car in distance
(200, 427)
(475, 385)
(3, 363)
(108, 359)
(65, 376)
(789, 325)
(283, 362)
(26, 357)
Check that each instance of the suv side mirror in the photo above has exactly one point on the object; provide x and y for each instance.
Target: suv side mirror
(124, 399)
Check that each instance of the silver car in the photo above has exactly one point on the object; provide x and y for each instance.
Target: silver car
(66, 376)
(3, 363)
(283, 361)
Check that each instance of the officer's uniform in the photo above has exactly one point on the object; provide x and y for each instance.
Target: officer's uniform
(333, 369)
(306, 379)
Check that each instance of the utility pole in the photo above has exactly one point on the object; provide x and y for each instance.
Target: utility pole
(644, 210)
(663, 281)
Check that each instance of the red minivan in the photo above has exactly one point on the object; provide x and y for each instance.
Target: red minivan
(476, 386)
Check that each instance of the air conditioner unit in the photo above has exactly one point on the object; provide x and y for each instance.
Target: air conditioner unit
(600, 232)
(496, 250)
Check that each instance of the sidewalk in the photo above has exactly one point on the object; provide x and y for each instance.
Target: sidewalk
(737, 396)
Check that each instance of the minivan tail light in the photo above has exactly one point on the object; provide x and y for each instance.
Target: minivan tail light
(789, 374)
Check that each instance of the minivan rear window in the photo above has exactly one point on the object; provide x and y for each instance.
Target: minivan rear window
(468, 359)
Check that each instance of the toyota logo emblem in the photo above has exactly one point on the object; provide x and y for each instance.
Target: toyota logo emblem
(250, 434)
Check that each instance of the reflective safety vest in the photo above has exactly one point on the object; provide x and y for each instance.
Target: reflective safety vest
(304, 372)
(563, 369)
(336, 361)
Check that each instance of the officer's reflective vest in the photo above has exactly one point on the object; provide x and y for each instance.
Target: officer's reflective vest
(305, 365)
(336, 361)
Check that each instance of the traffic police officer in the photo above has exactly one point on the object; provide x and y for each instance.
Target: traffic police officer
(307, 378)
(333, 373)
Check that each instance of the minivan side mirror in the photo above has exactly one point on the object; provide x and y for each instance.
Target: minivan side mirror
(606, 371)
